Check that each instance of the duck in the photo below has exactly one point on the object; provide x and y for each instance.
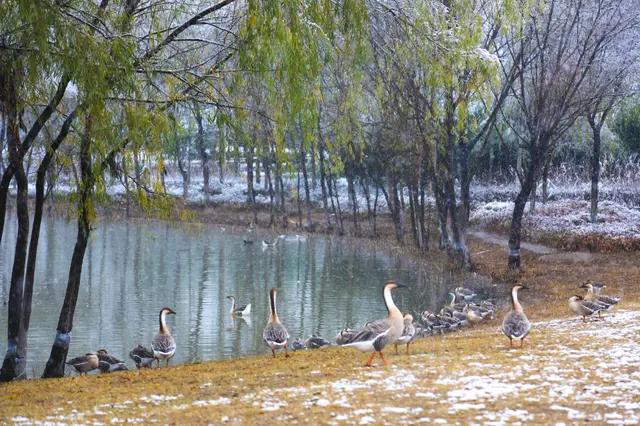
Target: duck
(316, 342)
(474, 316)
(85, 363)
(142, 357)
(408, 333)
(593, 294)
(376, 335)
(274, 334)
(163, 345)
(583, 307)
(464, 294)
(109, 363)
(345, 335)
(516, 325)
(241, 310)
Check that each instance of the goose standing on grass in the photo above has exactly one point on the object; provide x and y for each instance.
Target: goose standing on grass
(85, 363)
(583, 307)
(109, 363)
(142, 357)
(163, 345)
(516, 325)
(474, 316)
(593, 295)
(239, 310)
(274, 334)
(408, 333)
(375, 335)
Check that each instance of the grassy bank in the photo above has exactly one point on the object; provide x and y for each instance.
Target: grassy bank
(568, 372)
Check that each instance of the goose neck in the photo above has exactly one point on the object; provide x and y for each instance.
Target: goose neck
(517, 307)
(163, 322)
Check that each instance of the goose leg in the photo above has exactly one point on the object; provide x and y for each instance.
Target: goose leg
(166, 364)
(584, 319)
(383, 360)
(369, 363)
(407, 349)
(396, 349)
(286, 352)
(273, 351)
(157, 362)
(522, 343)
(510, 343)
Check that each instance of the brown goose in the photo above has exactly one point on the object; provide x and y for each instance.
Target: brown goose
(238, 310)
(143, 357)
(408, 333)
(516, 325)
(375, 335)
(274, 334)
(593, 295)
(85, 363)
(583, 307)
(109, 363)
(163, 345)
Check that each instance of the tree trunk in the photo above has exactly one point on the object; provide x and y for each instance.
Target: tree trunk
(545, 181)
(323, 186)
(249, 160)
(516, 219)
(307, 190)
(15, 359)
(351, 188)
(338, 212)
(596, 127)
(57, 358)
(204, 155)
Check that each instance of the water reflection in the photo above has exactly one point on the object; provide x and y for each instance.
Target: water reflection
(133, 269)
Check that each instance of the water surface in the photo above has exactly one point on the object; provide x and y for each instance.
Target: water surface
(133, 269)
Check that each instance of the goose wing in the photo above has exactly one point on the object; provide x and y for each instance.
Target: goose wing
(516, 325)
(109, 359)
(275, 332)
(608, 300)
(591, 306)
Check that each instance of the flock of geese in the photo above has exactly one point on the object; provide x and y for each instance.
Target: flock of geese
(374, 336)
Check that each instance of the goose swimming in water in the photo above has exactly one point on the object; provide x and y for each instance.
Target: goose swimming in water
(376, 335)
(143, 357)
(163, 345)
(408, 333)
(274, 334)
(84, 363)
(516, 325)
(239, 310)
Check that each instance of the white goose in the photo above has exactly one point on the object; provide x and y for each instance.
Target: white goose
(376, 335)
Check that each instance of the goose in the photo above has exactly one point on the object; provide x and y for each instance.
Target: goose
(274, 334)
(408, 333)
(269, 243)
(593, 295)
(109, 363)
(247, 241)
(316, 342)
(240, 310)
(464, 294)
(474, 316)
(432, 321)
(375, 335)
(85, 363)
(516, 325)
(345, 335)
(583, 307)
(143, 357)
(453, 305)
(163, 345)
(298, 345)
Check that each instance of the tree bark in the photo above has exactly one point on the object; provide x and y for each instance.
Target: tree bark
(55, 364)
(15, 359)
(596, 128)
(545, 181)
(204, 155)
(513, 261)
(307, 190)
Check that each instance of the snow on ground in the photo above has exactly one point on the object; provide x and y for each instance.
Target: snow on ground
(568, 373)
(567, 216)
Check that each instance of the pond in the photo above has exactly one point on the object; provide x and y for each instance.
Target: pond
(134, 268)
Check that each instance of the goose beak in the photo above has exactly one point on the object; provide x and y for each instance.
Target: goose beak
(171, 312)
(400, 285)
(525, 286)
(583, 286)
(229, 297)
